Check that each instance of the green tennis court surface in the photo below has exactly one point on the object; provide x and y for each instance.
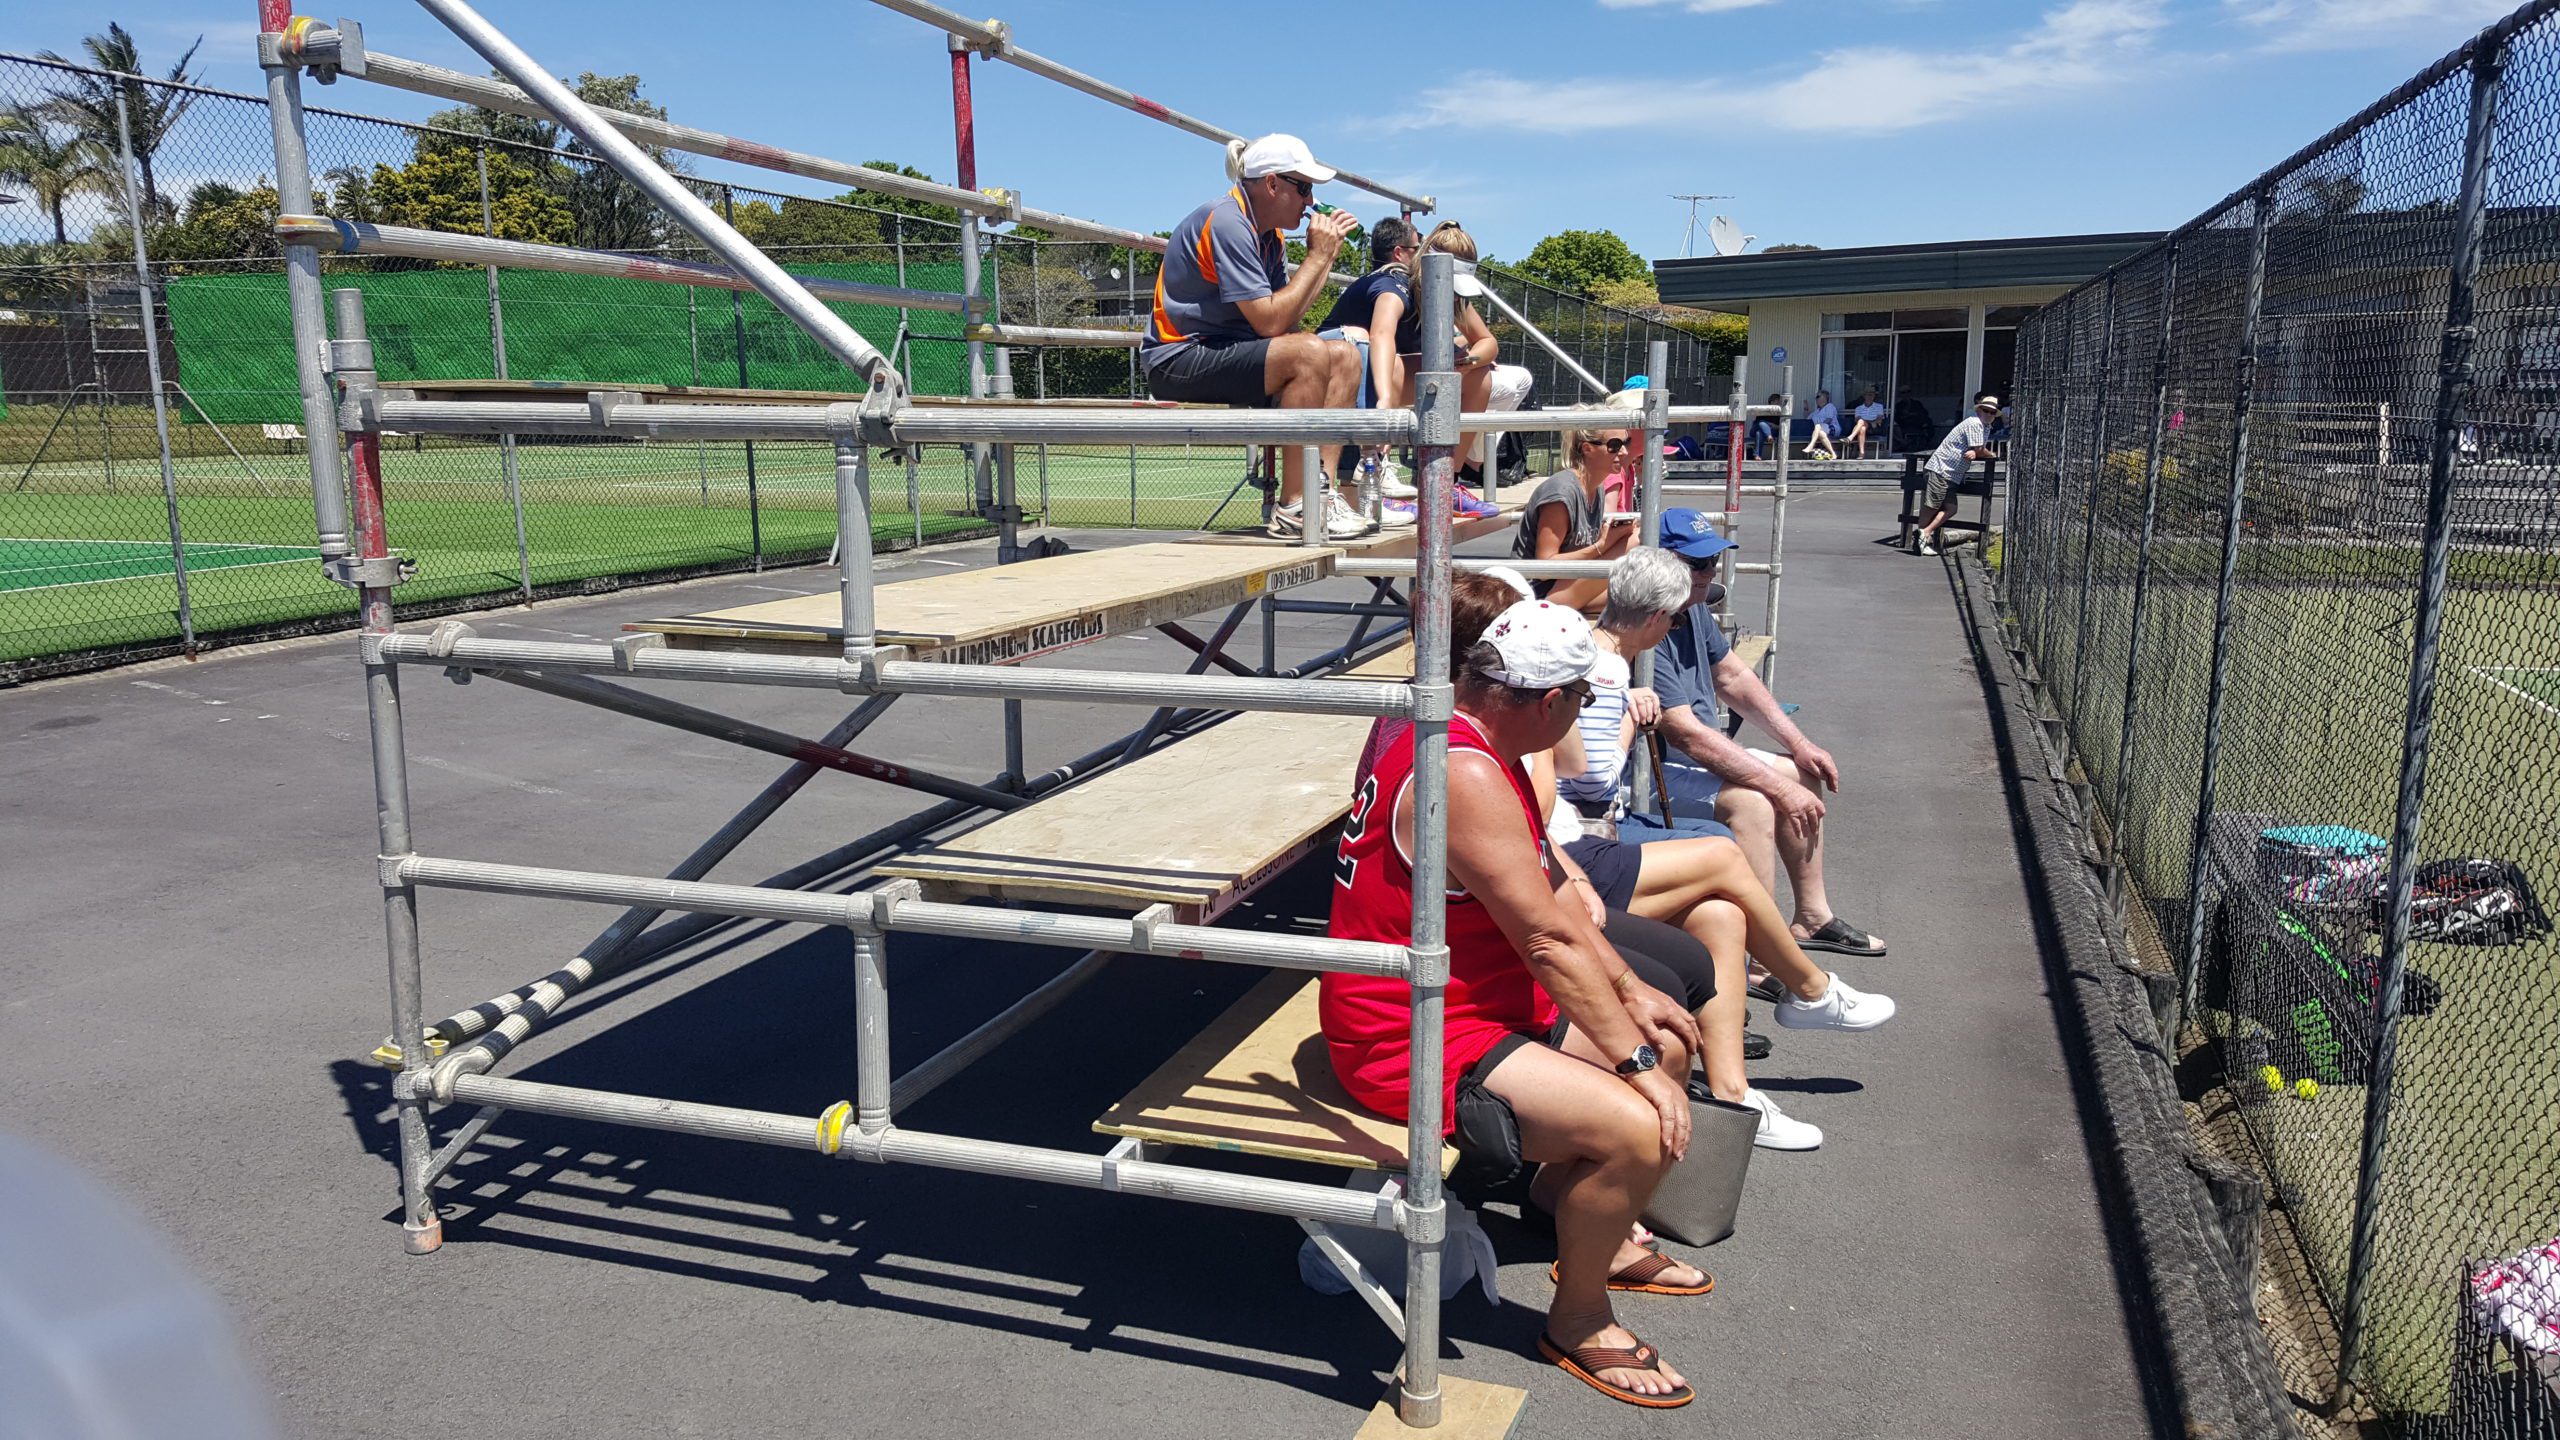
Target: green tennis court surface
(2538, 685)
(27, 564)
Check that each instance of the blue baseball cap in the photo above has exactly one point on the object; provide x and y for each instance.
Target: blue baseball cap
(1691, 535)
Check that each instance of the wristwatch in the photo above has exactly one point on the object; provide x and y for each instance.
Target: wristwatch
(1645, 1058)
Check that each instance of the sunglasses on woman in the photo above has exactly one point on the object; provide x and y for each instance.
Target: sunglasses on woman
(1614, 447)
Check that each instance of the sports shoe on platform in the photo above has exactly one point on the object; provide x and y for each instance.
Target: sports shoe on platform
(1465, 502)
(1391, 483)
(1393, 513)
(1777, 1132)
(1842, 1007)
(1345, 523)
(1288, 522)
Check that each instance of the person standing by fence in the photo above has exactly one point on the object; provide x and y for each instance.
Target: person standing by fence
(1945, 470)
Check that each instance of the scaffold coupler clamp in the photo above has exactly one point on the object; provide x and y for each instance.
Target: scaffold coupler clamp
(1428, 1224)
(440, 643)
(875, 417)
(376, 572)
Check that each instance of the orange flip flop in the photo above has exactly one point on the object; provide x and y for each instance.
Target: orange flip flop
(1638, 1277)
(1586, 1364)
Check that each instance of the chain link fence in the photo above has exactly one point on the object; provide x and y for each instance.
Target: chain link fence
(2240, 454)
(105, 557)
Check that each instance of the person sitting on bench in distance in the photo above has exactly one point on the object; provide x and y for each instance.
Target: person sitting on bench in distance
(1701, 883)
(1478, 352)
(1768, 801)
(1870, 418)
(1825, 418)
(1567, 517)
(1556, 1055)
(1227, 309)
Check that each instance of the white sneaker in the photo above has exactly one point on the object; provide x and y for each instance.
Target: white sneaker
(1341, 522)
(1842, 1007)
(1287, 522)
(1927, 547)
(1391, 483)
(1776, 1131)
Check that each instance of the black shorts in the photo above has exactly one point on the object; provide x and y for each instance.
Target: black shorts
(1612, 866)
(1487, 1133)
(1229, 374)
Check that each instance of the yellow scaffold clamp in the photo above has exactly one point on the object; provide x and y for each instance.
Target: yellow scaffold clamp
(387, 1054)
(831, 1127)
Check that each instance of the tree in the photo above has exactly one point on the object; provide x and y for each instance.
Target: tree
(220, 223)
(349, 194)
(88, 102)
(1580, 261)
(610, 212)
(899, 204)
(440, 190)
(49, 161)
(807, 226)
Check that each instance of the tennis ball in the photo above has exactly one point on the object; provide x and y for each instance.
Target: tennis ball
(2306, 1087)
(2273, 1076)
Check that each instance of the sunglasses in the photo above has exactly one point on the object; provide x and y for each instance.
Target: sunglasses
(1580, 690)
(1614, 447)
(1304, 187)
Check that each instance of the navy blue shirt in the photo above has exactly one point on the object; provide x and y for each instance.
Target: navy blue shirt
(1684, 664)
(1359, 300)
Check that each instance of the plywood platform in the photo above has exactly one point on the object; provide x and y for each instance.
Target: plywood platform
(1197, 825)
(1257, 1081)
(1752, 650)
(577, 391)
(1013, 612)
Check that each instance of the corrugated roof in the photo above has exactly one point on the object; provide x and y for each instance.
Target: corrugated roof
(1731, 281)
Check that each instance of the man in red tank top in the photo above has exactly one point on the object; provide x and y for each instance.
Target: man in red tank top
(1554, 1054)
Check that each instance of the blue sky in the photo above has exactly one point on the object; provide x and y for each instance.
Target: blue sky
(1836, 124)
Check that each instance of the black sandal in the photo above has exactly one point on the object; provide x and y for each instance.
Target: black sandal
(1841, 938)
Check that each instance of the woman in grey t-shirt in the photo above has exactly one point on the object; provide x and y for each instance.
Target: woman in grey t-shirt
(1566, 517)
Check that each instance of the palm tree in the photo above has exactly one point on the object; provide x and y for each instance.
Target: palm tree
(51, 163)
(88, 102)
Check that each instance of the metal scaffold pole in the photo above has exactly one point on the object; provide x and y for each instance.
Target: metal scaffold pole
(1435, 411)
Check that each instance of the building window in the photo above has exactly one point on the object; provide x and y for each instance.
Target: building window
(1913, 361)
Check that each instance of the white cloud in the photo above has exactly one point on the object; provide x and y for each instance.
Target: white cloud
(1852, 91)
(1694, 7)
(2355, 24)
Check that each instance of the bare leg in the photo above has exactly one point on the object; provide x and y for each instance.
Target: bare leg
(1301, 372)
(1475, 389)
(1603, 1145)
(1705, 881)
(1754, 823)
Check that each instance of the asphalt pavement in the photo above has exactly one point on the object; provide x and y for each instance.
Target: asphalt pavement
(191, 968)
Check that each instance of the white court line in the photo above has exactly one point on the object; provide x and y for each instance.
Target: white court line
(7, 589)
(2490, 673)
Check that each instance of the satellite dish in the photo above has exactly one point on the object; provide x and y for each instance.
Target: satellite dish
(1726, 236)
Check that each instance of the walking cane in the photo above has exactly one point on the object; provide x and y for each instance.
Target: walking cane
(1661, 777)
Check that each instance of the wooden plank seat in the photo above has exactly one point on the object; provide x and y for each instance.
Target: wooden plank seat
(1007, 613)
(1257, 1081)
(1752, 649)
(577, 391)
(1197, 825)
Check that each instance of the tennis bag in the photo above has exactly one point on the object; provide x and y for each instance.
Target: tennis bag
(2472, 901)
(1696, 1202)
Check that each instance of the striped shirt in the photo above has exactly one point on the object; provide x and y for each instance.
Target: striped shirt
(1599, 724)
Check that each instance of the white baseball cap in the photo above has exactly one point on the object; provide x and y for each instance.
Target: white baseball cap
(1281, 154)
(1543, 645)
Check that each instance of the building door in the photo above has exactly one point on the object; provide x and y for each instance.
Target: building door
(1929, 393)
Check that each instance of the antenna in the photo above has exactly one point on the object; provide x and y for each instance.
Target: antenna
(1690, 235)
(1726, 236)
